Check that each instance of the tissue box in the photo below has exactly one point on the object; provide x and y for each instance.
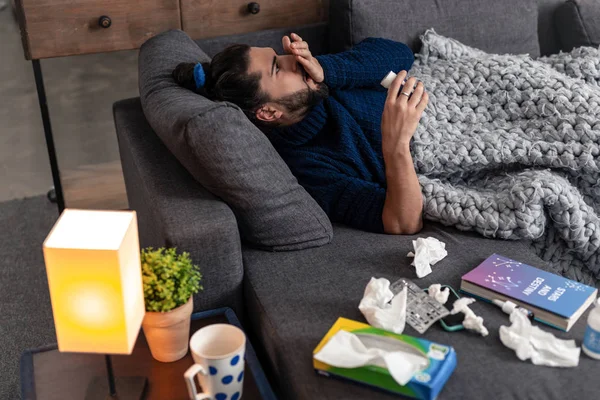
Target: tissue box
(426, 384)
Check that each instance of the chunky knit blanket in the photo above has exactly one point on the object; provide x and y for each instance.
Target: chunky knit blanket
(509, 147)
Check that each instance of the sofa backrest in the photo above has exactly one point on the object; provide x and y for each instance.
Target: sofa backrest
(507, 26)
(319, 38)
(314, 34)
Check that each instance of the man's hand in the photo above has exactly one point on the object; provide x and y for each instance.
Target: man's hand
(300, 50)
(401, 115)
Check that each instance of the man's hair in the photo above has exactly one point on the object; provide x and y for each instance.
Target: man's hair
(227, 79)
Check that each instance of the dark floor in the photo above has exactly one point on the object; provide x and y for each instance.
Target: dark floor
(25, 311)
(80, 90)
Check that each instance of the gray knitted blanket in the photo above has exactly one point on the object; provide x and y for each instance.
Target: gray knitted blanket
(508, 147)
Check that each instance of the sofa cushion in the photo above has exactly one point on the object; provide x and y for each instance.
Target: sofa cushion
(226, 153)
(489, 25)
(578, 23)
(292, 299)
(547, 32)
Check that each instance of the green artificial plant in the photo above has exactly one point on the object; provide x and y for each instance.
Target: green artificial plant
(169, 278)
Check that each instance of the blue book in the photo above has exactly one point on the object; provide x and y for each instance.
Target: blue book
(553, 299)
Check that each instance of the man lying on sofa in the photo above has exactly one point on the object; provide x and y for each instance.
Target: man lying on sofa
(344, 138)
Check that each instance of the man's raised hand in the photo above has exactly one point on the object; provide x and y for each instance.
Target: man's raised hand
(401, 114)
(299, 49)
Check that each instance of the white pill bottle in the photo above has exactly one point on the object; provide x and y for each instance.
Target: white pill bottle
(591, 340)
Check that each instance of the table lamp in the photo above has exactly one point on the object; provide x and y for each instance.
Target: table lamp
(95, 280)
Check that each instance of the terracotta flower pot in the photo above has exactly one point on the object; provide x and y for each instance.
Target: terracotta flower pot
(168, 333)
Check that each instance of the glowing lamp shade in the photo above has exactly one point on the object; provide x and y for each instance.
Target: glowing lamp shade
(95, 279)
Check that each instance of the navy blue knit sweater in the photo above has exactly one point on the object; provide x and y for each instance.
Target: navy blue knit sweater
(335, 151)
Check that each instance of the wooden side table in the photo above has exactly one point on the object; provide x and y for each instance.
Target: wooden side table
(47, 374)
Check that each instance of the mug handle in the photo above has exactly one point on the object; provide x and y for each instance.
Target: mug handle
(189, 376)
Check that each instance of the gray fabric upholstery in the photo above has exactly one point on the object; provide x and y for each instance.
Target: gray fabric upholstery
(547, 31)
(578, 23)
(295, 297)
(175, 211)
(314, 34)
(226, 153)
(486, 25)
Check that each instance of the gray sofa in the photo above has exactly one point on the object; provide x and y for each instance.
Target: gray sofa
(288, 300)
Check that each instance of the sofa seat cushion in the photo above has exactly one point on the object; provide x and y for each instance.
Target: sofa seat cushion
(578, 23)
(293, 298)
(226, 153)
(493, 26)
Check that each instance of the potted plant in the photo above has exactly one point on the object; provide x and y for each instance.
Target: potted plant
(170, 280)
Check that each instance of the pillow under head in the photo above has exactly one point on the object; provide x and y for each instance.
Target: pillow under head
(226, 153)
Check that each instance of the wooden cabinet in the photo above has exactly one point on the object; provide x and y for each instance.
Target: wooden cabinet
(53, 28)
(210, 18)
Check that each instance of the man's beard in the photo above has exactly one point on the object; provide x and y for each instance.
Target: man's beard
(301, 103)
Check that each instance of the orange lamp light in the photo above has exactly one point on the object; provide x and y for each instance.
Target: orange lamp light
(95, 279)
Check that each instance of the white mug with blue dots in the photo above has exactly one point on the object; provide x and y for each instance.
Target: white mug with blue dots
(218, 351)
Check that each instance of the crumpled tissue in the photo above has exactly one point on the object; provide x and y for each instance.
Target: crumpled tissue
(471, 322)
(428, 251)
(543, 348)
(377, 309)
(440, 295)
(347, 350)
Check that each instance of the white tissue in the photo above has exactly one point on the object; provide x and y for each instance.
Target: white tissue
(347, 350)
(471, 322)
(435, 291)
(428, 251)
(543, 348)
(377, 309)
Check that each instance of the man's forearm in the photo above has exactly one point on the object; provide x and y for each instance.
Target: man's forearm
(403, 208)
(366, 64)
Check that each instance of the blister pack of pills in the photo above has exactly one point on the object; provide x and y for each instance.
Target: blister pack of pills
(422, 311)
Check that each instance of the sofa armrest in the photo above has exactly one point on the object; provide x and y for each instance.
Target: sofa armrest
(176, 211)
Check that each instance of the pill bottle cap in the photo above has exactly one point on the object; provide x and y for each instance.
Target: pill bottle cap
(389, 78)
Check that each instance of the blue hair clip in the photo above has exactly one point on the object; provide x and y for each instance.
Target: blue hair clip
(199, 76)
